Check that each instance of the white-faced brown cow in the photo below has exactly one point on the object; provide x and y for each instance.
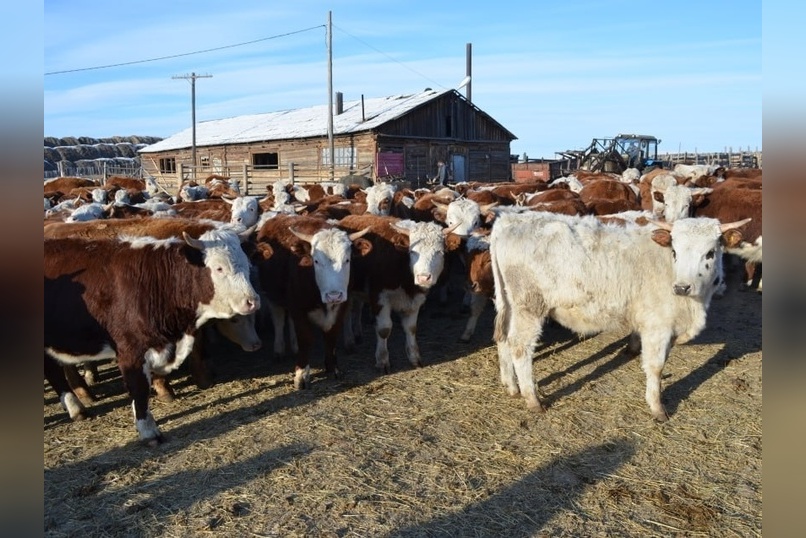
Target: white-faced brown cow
(140, 301)
(404, 263)
(735, 199)
(574, 270)
(304, 266)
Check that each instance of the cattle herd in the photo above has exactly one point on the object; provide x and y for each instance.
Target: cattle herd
(135, 274)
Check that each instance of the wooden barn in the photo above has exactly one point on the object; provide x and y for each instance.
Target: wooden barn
(399, 137)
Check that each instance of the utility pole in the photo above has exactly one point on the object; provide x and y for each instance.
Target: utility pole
(192, 77)
(330, 95)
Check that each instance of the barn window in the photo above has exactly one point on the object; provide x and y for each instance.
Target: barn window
(205, 162)
(344, 156)
(266, 160)
(168, 165)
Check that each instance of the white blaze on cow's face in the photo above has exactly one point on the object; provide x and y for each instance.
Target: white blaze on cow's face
(696, 253)
(464, 215)
(229, 269)
(426, 251)
(331, 250)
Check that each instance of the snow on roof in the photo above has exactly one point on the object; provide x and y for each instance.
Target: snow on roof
(297, 123)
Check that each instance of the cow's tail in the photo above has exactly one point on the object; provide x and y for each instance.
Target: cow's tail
(502, 307)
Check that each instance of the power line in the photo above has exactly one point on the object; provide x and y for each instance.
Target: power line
(391, 58)
(184, 54)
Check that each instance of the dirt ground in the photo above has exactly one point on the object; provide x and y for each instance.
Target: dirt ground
(437, 451)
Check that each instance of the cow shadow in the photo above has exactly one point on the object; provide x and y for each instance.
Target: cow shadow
(526, 506)
(155, 499)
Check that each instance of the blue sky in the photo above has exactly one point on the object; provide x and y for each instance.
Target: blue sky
(555, 74)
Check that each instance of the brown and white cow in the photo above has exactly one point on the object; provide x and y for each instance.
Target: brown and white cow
(404, 263)
(140, 301)
(728, 202)
(304, 266)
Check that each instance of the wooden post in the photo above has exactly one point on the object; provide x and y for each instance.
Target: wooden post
(245, 180)
(291, 172)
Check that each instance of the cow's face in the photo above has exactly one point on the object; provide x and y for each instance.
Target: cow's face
(245, 211)
(240, 330)
(426, 252)
(229, 269)
(464, 216)
(676, 203)
(696, 248)
(331, 251)
(379, 199)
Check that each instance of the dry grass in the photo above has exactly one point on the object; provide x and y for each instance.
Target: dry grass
(439, 451)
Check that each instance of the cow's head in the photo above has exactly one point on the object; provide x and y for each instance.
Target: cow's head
(245, 210)
(229, 270)
(696, 248)
(379, 199)
(331, 251)
(464, 215)
(240, 330)
(426, 250)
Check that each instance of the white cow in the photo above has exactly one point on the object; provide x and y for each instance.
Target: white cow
(654, 281)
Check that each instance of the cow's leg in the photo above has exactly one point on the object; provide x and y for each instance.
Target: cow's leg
(199, 369)
(523, 336)
(383, 328)
(302, 368)
(507, 369)
(293, 339)
(331, 362)
(136, 382)
(655, 350)
(634, 344)
(347, 328)
(77, 383)
(408, 320)
(278, 322)
(54, 373)
(162, 387)
(477, 304)
(90, 373)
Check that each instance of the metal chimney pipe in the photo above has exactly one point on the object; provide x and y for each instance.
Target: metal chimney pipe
(469, 69)
(339, 103)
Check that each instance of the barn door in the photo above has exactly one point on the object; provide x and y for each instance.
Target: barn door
(458, 168)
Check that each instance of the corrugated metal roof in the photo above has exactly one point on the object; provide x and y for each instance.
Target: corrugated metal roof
(297, 123)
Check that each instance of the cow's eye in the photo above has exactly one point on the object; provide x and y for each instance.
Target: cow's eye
(709, 255)
(674, 254)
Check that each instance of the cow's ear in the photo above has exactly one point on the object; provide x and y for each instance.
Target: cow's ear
(262, 251)
(362, 246)
(662, 237)
(401, 242)
(305, 261)
(300, 249)
(658, 196)
(731, 238)
(453, 242)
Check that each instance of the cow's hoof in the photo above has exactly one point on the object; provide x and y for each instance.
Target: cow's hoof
(660, 415)
(166, 397)
(154, 442)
